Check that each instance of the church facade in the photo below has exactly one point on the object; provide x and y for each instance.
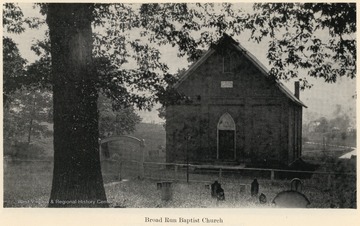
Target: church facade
(237, 114)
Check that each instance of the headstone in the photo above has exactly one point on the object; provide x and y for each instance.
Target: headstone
(220, 195)
(214, 188)
(262, 198)
(296, 185)
(254, 188)
(166, 191)
(291, 199)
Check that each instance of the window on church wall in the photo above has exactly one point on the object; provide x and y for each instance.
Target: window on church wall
(226, 138)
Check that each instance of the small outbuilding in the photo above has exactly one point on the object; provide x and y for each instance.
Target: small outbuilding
(237, 112)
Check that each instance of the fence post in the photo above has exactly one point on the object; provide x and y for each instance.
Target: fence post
(119, 171)
(272, 175)
(142, 158)
(176, 170)
(220, 173)
(141, 170)
(329, 181)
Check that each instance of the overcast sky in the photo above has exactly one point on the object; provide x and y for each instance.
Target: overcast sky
(321, 99)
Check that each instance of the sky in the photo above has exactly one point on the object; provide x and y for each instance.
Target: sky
(321, 99)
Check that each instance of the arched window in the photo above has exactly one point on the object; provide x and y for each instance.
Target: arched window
(226, 131)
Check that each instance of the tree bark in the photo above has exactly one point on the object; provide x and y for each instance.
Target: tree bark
(77, 179)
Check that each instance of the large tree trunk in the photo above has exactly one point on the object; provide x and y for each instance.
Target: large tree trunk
(77, 179)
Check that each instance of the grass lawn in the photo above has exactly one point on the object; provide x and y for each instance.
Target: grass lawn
(144, 193)
(28, 184)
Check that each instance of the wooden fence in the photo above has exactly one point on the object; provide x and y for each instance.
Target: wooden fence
(208, 173)
(193, 173)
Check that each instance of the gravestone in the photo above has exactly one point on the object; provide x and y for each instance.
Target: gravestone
(166, 191)
(220, 194)
(291, 199)
(254, 188)
(214, 187)
(296, 185)
(262, 198)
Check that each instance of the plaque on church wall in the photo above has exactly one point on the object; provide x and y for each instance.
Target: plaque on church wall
(226, 84)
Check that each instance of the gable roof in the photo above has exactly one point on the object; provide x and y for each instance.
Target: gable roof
(249, 56)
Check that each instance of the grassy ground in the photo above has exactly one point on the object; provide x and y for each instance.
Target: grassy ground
(197, 195)
(33, 191)
(28, 184)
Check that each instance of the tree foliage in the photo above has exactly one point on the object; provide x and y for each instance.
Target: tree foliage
(315, 38)
(318, 37)
(13, 69)
(25, 115)
(15, 76)
(14, 20)
(115, 122)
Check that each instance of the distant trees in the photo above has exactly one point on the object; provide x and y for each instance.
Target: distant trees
(26, 106)
(323, 126)
(337, 124)
(25, 115)
(340, 122)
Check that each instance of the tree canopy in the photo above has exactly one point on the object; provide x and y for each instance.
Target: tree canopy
(13, 70)
(115, 121)
(311, 39)
(318, 37)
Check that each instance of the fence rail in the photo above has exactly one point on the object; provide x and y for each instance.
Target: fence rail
(242, 168)
(176, 165)
(191, 172)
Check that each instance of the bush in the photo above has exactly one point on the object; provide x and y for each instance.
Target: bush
(24, 150)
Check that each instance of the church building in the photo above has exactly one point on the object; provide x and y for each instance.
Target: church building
(237, 113)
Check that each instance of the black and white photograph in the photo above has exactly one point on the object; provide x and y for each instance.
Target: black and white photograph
(211, 105)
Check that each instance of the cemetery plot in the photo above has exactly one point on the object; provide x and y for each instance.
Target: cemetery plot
(28, 185)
